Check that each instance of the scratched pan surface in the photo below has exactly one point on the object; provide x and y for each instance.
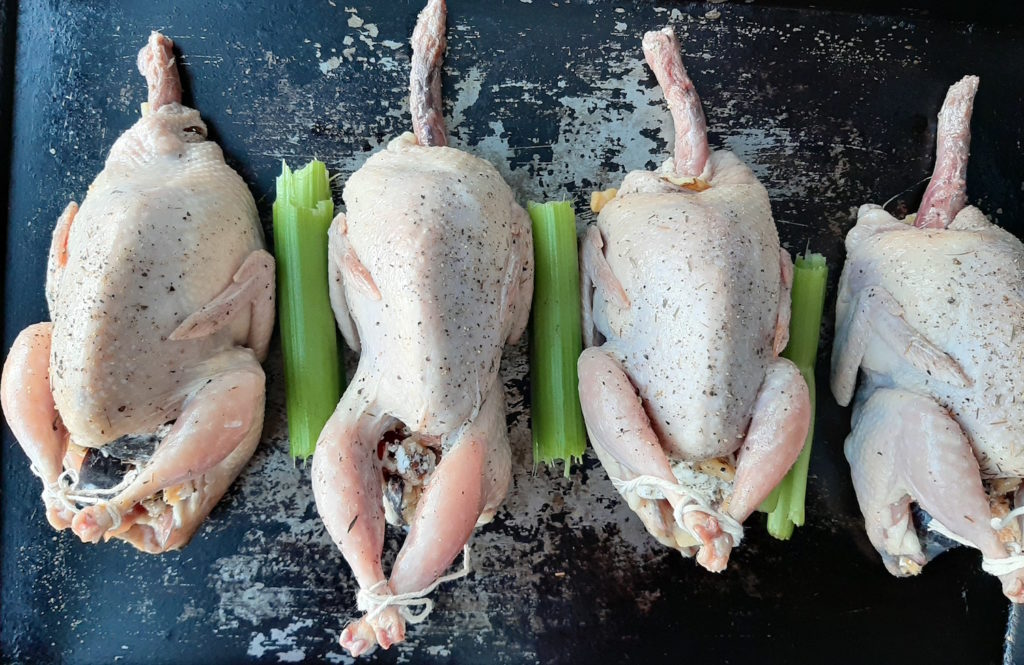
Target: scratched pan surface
(831, 109)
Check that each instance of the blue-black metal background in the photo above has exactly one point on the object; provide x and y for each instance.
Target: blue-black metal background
(853, 121)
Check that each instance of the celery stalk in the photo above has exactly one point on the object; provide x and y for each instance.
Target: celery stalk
(313, 379)
(785, 506)
(555, 336)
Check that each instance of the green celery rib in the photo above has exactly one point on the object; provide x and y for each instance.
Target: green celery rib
(810, 275)
(555, 336)
(303, 211)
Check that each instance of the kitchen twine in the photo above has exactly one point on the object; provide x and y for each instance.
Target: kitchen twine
(651, 487)
(372, 602)
(64, 493)
(1004, 566)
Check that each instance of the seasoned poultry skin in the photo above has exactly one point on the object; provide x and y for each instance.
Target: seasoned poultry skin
(161, 299)
(432, 274)
(930, 310)
(686, 308)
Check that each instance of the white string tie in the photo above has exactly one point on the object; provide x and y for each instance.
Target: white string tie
(66, 493)
(373, 602)
(1002, 566)
(652, 487)
(115, 515)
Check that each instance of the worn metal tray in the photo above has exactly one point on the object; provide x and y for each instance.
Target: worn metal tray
(831, 107)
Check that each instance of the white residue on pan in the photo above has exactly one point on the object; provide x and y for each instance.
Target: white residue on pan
(598, 139)
(365, 32)
(330, 64)
(280, 642)
(467, 92)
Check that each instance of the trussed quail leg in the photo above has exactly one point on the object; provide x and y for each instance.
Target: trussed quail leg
(224, 413)
(872, 451)
(905, 447)
(31, 413)
(347, 474)
(780, 420)
(28, 402)
(778, 429)
(655, 514)
(619, 429)
(468, 479)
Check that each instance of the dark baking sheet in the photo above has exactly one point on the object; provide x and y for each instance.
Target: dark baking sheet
(831, 108)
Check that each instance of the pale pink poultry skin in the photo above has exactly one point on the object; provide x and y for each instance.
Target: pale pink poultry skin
(931, 311)
(689, 291)
(162, 305)
(432, 274)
